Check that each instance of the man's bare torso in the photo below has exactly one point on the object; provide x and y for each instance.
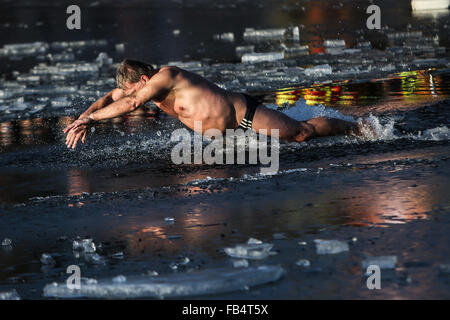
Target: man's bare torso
(193, 98)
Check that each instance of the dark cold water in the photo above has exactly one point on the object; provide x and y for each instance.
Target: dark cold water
(384, 194)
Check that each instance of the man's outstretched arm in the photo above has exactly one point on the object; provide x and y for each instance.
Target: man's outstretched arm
(107, 99)
(158, 84)
(104, 101)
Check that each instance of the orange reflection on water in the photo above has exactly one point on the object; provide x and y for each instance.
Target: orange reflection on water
(157, 231)
(388, 203)
(6, 133)
(77, 183)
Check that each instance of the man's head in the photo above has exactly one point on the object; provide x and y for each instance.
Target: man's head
(132, 74)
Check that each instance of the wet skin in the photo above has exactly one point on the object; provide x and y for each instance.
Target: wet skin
(191, 98)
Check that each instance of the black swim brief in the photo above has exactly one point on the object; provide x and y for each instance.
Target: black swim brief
(252, 103)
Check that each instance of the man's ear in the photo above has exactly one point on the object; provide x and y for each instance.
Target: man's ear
(144, 78)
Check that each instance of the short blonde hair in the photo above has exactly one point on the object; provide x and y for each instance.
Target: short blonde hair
(131, 71)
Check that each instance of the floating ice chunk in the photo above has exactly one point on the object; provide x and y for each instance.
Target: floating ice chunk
(86, 245)
(25, 49)
(169, 219)
(47, 259)
(444, 268)
(89, 281)
(28, 78)
(117, 255)
(62, 57)
(6, 94)
(419, 5)
(119, 279)
(240, 263)
(9, 295)
(227, 36)
(94, 258)
(364, 45)
(103, 59)
(60, 102)
(78, 44)
(254, 249)
(404, 35)
(303, 263)
(334, 51)
(279, 236)
(319, 70)
(260, 57)
(176, 32)
(254, 241)
(384, 262)
(296, 34)
(334, 43)
(330, 246)
(185, 261)
(6, 242)
(264, 34)
(352, 51)
(19, 106)
(296, 51)
(241, 50)
(120, 48)
(214, 281)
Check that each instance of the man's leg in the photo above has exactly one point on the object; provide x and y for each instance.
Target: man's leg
(293, 130)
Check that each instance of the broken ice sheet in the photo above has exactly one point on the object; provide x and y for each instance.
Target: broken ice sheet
(320, 70)
(304, 263)
(251, 34)
(47, 259)
(227, 36)
(6, 242)
(241, 50)
(94, 258)
(260, 57)
(86, 245)
(9, 295)
(213, 281)
(330, 246)
(253, 249)
(240, 263)
(383, 262)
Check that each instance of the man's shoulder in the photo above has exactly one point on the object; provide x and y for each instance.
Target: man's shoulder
(168, 71)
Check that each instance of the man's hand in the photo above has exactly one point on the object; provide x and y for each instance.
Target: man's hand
(75, 131)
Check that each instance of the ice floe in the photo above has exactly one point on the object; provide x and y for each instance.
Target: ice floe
(383, 262)
(213, 281)
(253, 249)
(330, 246)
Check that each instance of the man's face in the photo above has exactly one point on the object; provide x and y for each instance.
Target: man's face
(130, 88)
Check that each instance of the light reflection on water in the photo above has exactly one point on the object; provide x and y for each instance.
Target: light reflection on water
(407, 88)
(305, 207)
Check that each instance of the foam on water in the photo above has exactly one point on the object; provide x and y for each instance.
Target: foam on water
(435, 134)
